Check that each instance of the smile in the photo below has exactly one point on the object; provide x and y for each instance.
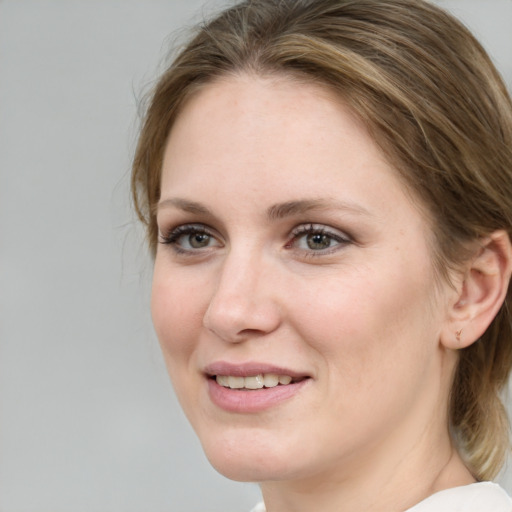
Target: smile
(252, 387)
(263, 380)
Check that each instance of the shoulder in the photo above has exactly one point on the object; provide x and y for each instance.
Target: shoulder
(479, 497)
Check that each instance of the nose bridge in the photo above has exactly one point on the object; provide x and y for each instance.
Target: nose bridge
(242, 304)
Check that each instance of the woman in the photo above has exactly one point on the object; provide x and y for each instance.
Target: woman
(327, 190)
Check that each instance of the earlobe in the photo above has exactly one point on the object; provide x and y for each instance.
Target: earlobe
(482, 292)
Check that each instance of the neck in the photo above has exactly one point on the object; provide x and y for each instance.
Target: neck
(373, 492)
(391, 478)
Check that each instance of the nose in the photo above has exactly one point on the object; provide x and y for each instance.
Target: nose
(244, 303)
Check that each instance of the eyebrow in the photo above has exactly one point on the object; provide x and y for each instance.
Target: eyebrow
(185, 205)
(290, 208)
(274, 212)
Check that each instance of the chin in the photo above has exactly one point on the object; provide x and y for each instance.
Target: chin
(245, 470)
(252, 458)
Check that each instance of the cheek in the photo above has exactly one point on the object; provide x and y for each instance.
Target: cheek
(366, 326)
(376, 362)
(177, 312)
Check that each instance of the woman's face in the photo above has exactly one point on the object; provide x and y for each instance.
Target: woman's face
(292, 258)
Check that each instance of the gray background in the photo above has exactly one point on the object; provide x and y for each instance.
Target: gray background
(88, 422)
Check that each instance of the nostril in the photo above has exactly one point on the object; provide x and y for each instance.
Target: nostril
(243, 321)
(251, 333)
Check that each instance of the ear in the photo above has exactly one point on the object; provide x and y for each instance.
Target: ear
(481, 292)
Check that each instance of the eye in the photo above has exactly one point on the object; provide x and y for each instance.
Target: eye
(315, 238)
(190, 238)
(318, 241)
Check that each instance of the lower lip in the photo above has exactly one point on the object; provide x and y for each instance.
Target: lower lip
(257, 400)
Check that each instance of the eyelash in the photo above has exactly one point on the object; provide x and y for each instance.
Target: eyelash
(302, 231)
(305, 230)
(173, 236)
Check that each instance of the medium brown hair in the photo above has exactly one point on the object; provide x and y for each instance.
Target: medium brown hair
(434, 103)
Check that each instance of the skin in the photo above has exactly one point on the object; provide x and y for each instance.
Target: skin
(362, 318)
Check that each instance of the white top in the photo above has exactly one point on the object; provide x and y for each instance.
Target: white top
(479, 497)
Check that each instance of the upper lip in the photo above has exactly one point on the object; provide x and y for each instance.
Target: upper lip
(249, 369)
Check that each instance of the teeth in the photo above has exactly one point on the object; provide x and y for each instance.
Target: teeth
(223, 380)
(235, 382)
(254, 382)
(268, 380)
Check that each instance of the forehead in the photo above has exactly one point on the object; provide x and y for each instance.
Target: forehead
(269, 123)
(275, 139)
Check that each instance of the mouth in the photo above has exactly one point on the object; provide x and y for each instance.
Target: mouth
(255, 382)
(252, 387)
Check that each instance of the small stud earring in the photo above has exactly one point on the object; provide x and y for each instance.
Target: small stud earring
(457, 334)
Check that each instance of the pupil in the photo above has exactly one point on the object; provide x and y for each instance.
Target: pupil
(199, 240)
(318, 241)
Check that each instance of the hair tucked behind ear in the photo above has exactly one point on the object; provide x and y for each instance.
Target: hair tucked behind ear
(477, 413)
(432, 100)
